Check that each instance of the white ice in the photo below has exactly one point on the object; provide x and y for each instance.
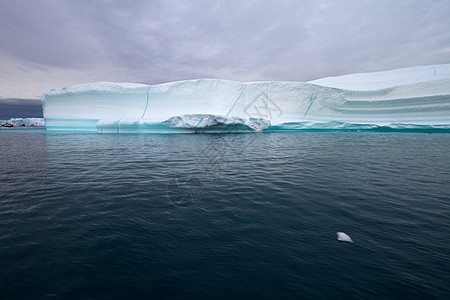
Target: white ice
(24, 122)
(343, 237)
(386, 79)
(404, 98)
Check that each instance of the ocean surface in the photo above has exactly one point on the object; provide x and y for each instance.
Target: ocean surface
(107, 216)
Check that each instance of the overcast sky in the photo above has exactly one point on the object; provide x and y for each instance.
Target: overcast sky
(49, 44)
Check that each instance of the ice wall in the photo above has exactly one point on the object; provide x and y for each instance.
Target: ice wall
(404, 98)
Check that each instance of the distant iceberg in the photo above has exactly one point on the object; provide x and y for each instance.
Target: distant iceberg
(23, 122)
(402, 99)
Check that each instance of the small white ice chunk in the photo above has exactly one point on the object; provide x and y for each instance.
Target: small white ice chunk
(343, 237)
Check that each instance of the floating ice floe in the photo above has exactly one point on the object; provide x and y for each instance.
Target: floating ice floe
(343, 237)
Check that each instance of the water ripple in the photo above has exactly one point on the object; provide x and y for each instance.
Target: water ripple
(91, 216)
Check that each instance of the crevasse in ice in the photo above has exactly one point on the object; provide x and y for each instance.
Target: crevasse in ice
(416, 97)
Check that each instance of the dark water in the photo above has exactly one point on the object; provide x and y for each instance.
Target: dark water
(88, 216)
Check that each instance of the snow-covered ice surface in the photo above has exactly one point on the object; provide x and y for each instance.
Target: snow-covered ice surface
(386, 79)
(404, 99)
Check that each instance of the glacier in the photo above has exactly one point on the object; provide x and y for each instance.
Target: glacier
(415, 98)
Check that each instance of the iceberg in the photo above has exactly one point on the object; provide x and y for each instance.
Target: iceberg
(23, 122)
(416, 98)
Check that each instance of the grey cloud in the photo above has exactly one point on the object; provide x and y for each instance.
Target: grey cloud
(20, 108)
(154, 41)
(45, 32)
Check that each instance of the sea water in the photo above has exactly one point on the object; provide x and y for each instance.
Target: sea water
(91, 216)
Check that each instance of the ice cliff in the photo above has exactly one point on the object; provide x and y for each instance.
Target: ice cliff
(417, 97)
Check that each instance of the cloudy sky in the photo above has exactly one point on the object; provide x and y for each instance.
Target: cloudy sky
(48, 44)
